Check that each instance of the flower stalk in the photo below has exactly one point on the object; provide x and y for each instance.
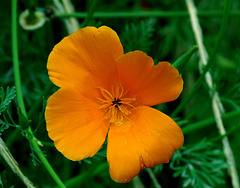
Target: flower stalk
(17, 78)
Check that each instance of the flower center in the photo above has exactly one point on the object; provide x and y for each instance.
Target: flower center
(116, 102)
(116, 106)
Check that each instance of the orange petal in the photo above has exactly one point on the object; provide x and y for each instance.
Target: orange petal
(75, 124)
(86, 59)
(149, 139)
(150, 84)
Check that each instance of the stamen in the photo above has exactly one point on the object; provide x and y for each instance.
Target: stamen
(106, 94)
(117, 107)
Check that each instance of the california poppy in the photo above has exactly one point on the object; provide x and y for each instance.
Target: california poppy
(106, 92)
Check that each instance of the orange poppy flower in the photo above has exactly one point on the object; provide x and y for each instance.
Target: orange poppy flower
(106, 92)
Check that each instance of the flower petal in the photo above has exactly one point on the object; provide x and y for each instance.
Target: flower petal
(150, 84)
(86, 59)
(75, 124)
(149, 139)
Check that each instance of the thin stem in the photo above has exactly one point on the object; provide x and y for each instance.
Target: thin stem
(154, 179)
(137, 183)
(90, 14)
(231, 130)
(5, 153)
(210, 61)
(16, 68)
(49, 144)
(144, 14)
(201, 124)
(45, 162)
(17, 78)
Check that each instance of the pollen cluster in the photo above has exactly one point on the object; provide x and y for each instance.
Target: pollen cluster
(116, 106)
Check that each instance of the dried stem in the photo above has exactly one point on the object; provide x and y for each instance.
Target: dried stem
(71, 24)
(216, 103)
(70, 9)
(6, 154)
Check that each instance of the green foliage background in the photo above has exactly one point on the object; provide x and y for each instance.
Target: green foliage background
(200, 163)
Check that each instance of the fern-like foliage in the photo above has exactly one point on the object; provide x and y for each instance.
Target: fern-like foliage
(200, 166)
(6, 98)
(138, 36)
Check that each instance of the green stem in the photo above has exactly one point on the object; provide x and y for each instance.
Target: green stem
(41, 156)
(201, 124)
(16, 68)
(17, 78)
(49, 144)
(200, 80)
(231, 130)
(90, 14)
(153, 177)
(144, 14)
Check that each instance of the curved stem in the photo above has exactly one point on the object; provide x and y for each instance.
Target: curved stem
(17, 78)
